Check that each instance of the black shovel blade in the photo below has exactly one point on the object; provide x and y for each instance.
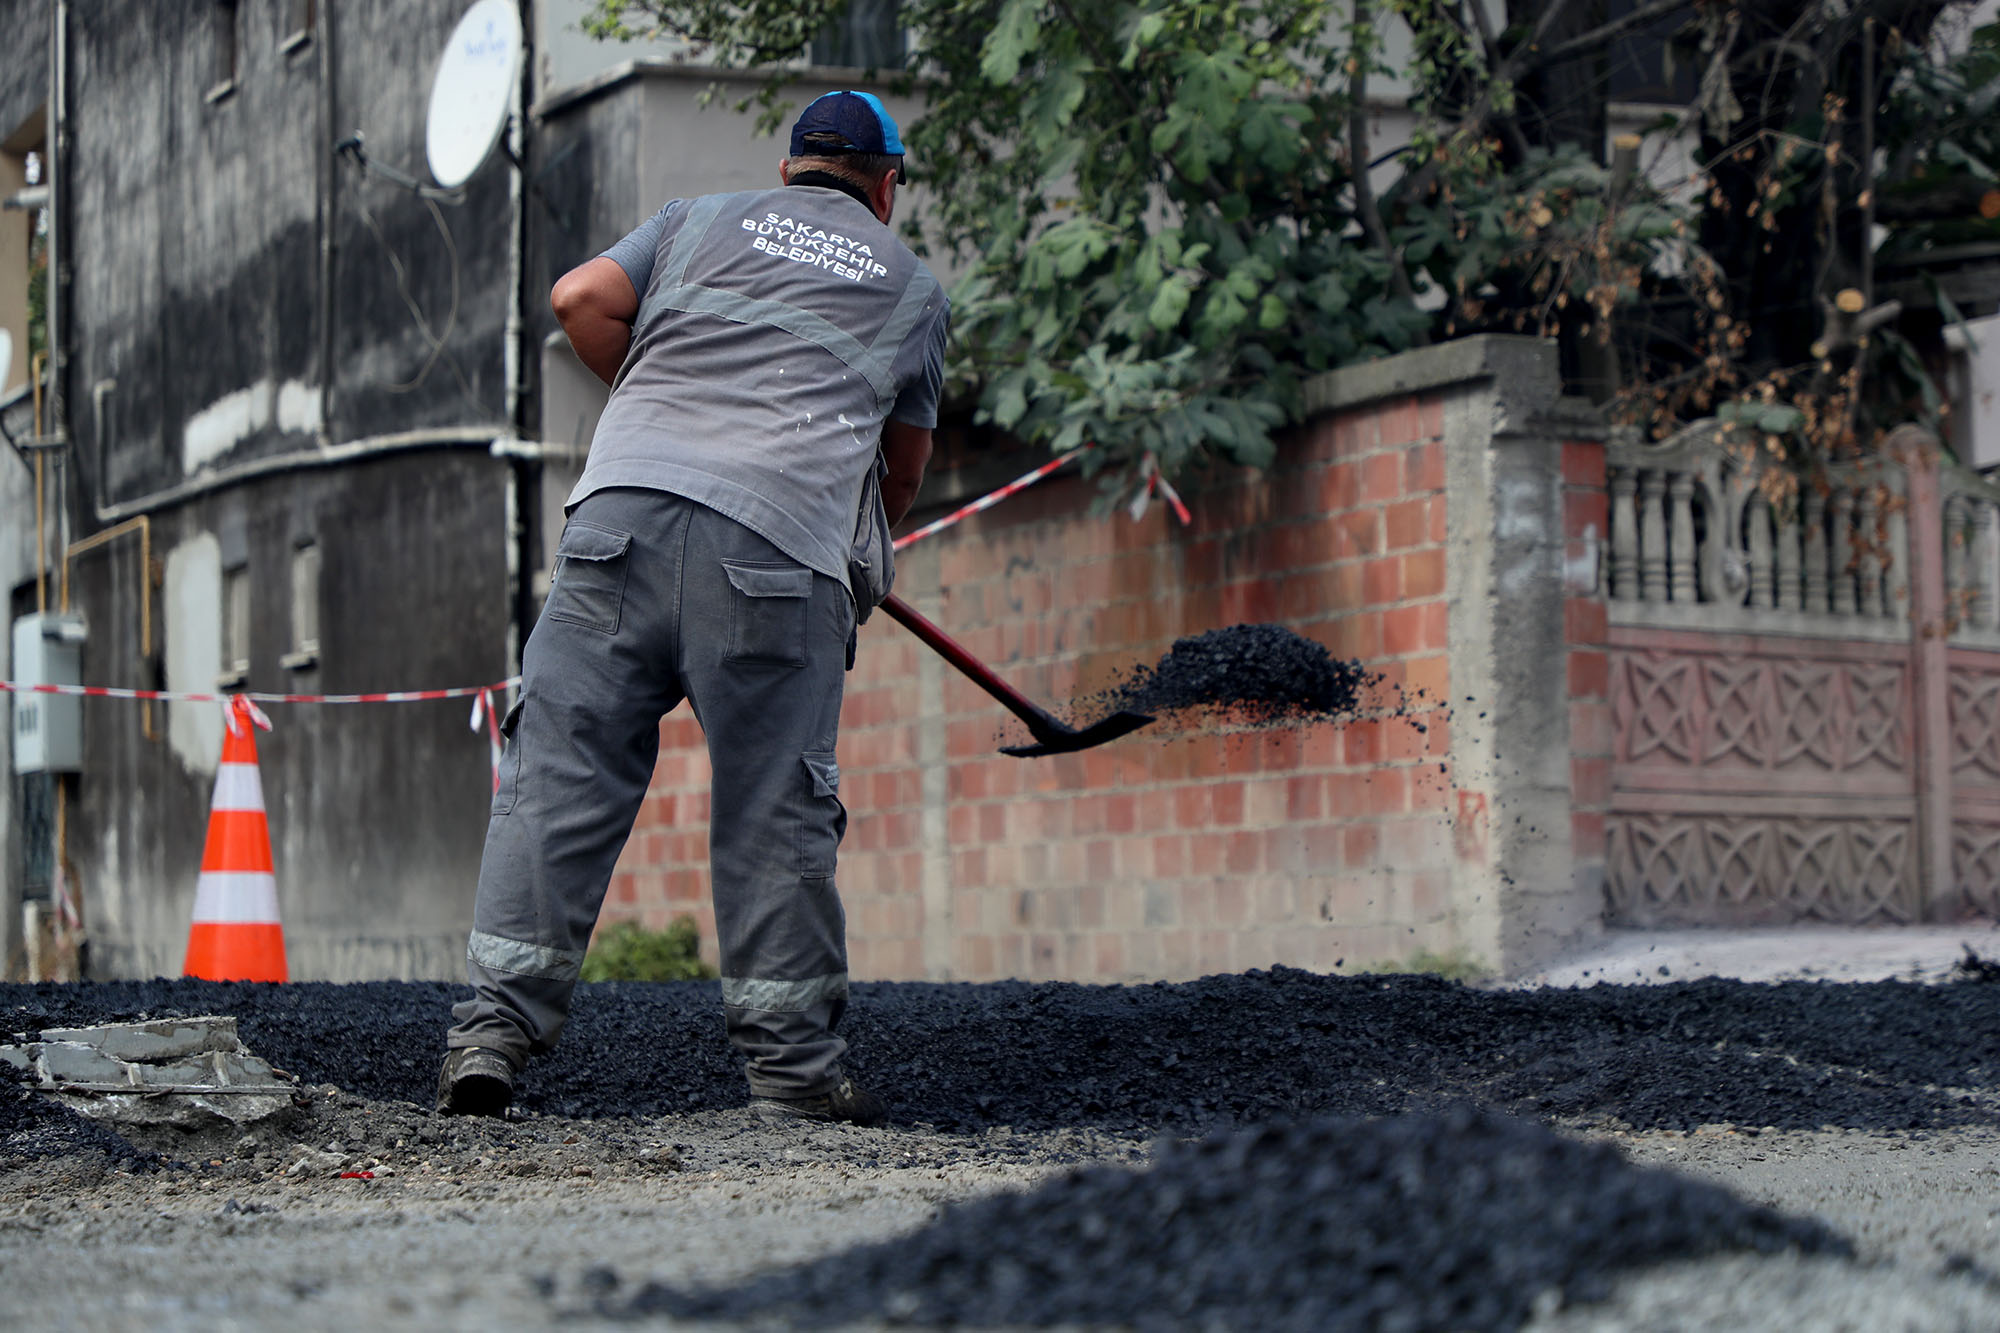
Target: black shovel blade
(1054, 738)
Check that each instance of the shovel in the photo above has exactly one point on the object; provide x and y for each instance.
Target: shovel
(1051, 736)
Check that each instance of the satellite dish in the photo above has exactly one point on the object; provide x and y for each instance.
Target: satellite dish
(6, 359)
(472, 93)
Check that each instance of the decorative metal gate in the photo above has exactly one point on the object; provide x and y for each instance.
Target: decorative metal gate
(1805, 687)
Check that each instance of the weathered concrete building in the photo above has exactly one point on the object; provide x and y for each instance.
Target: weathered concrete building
(278, 381)
(292, 440)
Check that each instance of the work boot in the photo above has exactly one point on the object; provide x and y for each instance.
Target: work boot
(843, 1102)
(475, 1081)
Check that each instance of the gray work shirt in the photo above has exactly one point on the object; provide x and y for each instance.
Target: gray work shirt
(777, 330)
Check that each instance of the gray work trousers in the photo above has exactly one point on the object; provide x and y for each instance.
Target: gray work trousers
(657, 598)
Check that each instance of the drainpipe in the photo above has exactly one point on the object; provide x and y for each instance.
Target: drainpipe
(70, 936)
(523, 472)
(329, 187)
(58, 291)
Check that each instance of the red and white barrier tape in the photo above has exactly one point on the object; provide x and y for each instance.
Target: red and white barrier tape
(239, 708)
(186, 697)
(483, 710)
(484, 713)
(1155, 483)
(987, 501)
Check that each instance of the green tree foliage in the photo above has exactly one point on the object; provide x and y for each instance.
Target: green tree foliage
(1165, 233)
(1785, 333)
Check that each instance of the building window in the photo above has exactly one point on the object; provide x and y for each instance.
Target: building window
(300, 16)
(235, 627)
(222, 76)
(304, 655)
(1639, 66)
(24, 252)
(868, 36)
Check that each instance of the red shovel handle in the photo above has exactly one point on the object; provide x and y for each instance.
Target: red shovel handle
(1039, 720)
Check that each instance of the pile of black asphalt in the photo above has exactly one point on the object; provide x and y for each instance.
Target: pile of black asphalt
(1369, 1151)
(34, 1128)
(1180, 1058)
(1463, 1221)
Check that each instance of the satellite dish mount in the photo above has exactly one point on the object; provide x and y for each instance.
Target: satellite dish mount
(471, 105)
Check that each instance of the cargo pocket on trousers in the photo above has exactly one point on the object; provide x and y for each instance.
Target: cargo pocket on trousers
(587, 587)
(826, 817)
(509, 781)
(767, 617)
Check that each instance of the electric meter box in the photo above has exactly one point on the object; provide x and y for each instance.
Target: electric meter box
(48, 728)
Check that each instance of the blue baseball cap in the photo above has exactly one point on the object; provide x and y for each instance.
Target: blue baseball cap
(859, 120)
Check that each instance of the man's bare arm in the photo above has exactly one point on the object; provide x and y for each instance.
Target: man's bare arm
(907, 450)
(595, 303)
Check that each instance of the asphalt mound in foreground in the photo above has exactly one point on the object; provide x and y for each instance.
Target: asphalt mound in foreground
(1459, 1221)
(34, 1128)
(1180, 1058)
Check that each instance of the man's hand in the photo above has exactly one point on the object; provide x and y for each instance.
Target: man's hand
(906, 449)
(595, 303)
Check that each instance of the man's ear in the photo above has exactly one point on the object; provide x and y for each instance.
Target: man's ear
(784, 171)
(883, 196)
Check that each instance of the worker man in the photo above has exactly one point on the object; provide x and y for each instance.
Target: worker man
(775, 358)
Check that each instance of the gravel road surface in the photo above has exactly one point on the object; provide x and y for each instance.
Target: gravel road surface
(1266, 1150)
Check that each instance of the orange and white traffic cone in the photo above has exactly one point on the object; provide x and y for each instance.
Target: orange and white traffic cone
(236, 935)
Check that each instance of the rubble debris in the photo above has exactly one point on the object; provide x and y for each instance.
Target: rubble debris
(187, 1072)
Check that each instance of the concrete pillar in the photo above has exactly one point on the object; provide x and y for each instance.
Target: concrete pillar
(1516, 896)
(1930, 683)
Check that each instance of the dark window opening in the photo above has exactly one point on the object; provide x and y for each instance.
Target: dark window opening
(1642, 67)
(869, 35)
(222, 60)
(235, 627)
(300, 18)
(304, 655)
(34, 798)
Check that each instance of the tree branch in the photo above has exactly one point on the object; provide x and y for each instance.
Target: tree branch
(1608, 33)
(1357, 160)
(1940, 201)
(1510, 129)
(1517, 64)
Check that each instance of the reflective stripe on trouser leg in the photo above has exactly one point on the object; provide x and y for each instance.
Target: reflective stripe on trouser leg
(766, 682)
(597, 674)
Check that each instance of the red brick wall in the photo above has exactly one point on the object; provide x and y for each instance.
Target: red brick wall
(1170, 853)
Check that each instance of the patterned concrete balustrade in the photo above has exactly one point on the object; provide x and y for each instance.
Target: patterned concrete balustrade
(1805, 685)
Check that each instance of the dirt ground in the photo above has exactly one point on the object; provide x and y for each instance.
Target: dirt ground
(361, 1209)
(546, 1223)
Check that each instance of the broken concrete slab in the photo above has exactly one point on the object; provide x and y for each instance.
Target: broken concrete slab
(188, 1072)
(157, 1041)
(74, 1062)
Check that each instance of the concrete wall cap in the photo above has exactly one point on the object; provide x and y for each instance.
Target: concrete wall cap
(1526, 368)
